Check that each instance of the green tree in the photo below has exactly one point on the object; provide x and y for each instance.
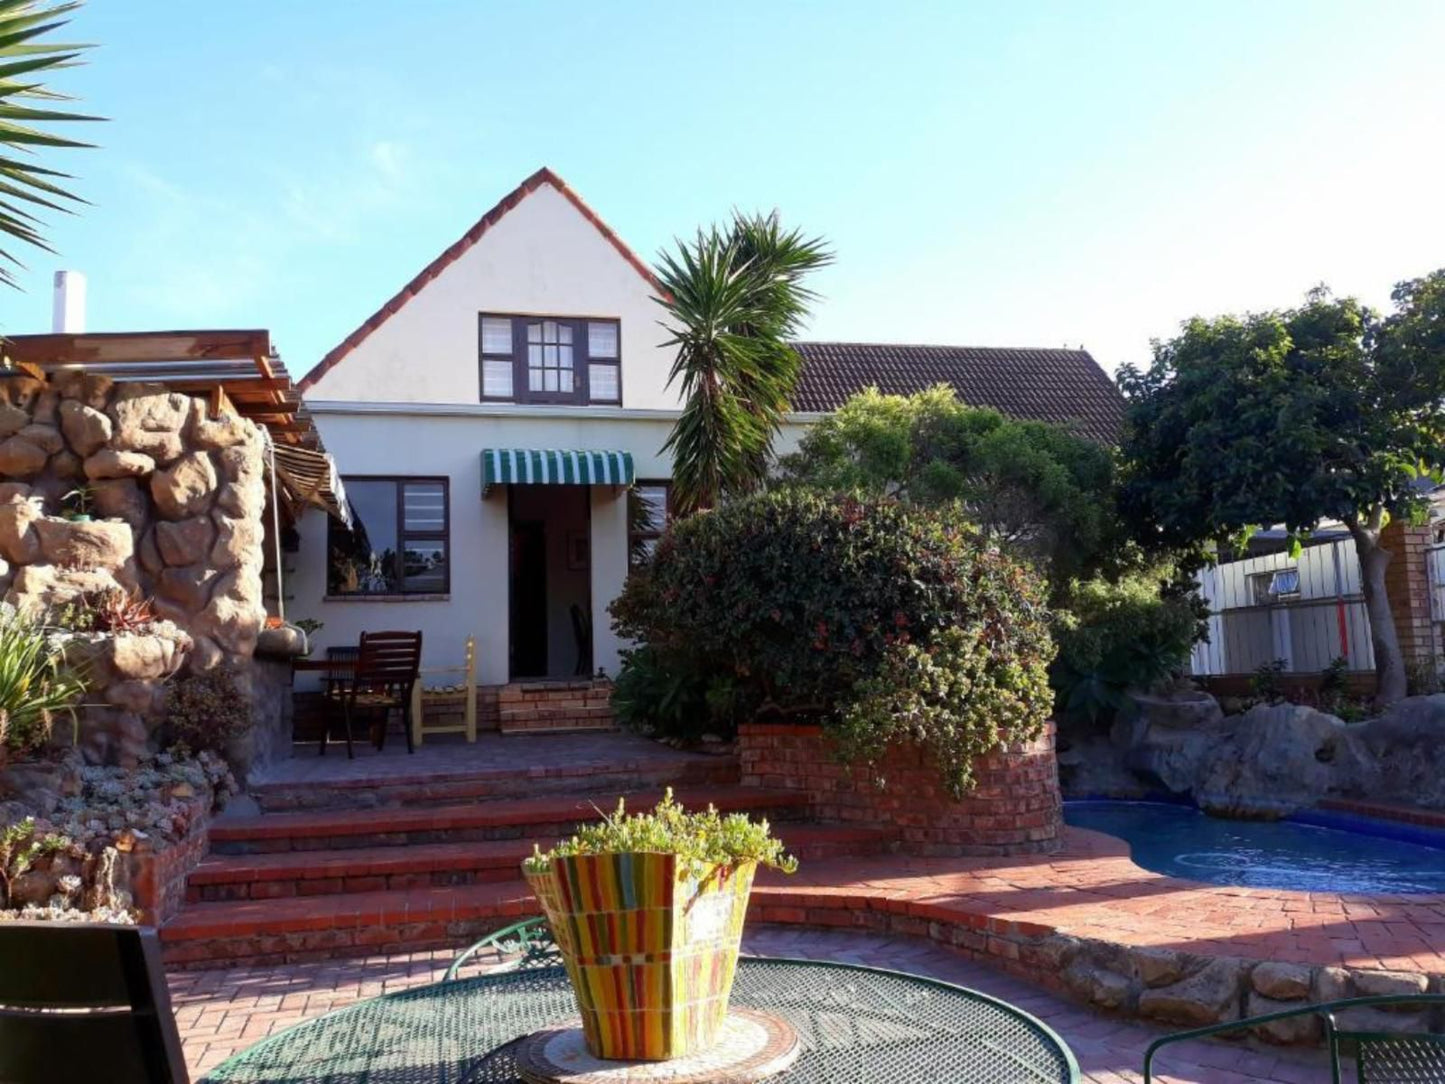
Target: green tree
(1046, 494)
(26, 188)
(1322, 412)
(733, 299)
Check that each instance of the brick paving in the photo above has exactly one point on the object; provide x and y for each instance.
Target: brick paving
(220, 1012)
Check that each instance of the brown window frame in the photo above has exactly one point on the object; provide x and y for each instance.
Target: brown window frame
(582, 360)
(640, 536)
(444, 536)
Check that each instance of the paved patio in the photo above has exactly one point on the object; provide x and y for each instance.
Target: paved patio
(223, 1011)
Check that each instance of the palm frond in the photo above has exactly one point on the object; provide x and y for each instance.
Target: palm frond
(24, 52)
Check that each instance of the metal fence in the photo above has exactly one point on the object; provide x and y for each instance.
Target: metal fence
(1307, 611)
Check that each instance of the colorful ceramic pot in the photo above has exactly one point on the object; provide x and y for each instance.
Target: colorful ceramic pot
(651, 946)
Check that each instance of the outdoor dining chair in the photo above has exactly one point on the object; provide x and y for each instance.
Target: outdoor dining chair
(85, 1003)
(387, 665)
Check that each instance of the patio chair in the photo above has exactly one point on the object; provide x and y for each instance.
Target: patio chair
(447, 703)
(1380, 1055)
(387, 664)
(53, 970)
(529, 940)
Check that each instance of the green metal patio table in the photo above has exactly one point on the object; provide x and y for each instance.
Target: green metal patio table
(855, 1024)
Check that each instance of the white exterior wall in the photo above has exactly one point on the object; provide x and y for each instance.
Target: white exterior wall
(406, 401)
(542, 257)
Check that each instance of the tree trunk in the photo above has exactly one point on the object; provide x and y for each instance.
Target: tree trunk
(1389, 661)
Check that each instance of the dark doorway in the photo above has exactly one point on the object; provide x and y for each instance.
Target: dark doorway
(529, 599)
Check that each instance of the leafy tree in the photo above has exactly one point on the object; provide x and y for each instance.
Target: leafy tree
(1322, 412)
(25, 186)
(1042, 491)
(734, 299)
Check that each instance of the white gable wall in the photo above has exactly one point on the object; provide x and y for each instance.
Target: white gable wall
(542, 257)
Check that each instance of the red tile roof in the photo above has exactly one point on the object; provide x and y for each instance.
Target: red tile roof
(452, 254)
(1063, 386)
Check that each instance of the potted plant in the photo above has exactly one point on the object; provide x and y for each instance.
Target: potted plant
(76, 504)
(648, 911)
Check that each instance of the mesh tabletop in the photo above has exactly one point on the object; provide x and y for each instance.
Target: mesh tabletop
(855, 1024)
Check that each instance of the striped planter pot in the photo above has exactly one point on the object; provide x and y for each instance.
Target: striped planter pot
(651, 947)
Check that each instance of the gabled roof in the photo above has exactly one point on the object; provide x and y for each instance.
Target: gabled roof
(462, 244)
(1062, 386)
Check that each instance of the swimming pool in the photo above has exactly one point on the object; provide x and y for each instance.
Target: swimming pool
(1352, 856)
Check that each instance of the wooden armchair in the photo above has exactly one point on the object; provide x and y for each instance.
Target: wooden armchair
(85, 1003)
(387, 664)
(447, 703)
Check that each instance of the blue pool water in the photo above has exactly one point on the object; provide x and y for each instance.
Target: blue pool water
(1364, 857)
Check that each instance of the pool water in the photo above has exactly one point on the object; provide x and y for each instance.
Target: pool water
(1182, 842)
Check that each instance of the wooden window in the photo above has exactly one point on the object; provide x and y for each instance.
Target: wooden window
(399, 540)
(550, 359)
(649, 506)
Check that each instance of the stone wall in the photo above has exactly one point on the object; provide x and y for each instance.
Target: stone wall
(178, 497)
(1015, 807)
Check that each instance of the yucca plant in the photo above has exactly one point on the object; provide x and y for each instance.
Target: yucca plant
(36, 685)
(26, 187)
(734, 299)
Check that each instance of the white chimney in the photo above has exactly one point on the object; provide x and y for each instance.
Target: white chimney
(68, 310)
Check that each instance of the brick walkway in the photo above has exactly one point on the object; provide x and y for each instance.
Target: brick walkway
(223, 1011)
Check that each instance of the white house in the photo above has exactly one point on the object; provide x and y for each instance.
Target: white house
(499, 425)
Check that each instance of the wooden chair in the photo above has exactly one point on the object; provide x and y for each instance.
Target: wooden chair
(386, 671)
(126, 1033)
(424, 700)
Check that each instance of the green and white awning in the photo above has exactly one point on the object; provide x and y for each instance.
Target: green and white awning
(551, 466)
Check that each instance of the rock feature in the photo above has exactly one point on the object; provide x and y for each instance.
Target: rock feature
(109, 463)
(186, 541)
(87, 429)
(1294, 1031)
(21, 458)
(121, 498)
(1208, 996)
(1281, 982)
(19, 544)
(106, 544)
(1096, 984)
(12, 420)
(185, 489)
(45, 437)
(189, 586)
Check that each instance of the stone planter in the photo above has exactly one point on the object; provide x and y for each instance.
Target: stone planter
(651, 947)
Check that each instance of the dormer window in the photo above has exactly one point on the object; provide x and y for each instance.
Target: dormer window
(550, 359)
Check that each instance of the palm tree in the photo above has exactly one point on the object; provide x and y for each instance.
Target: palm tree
(25, 186)
(734, 300)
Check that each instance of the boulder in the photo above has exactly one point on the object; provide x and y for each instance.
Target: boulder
(238, 542)
(94, 390)
(104, 544)
(112, 736)
(46, 437)
(145, 657)
(185, 542)
(227, 431)
(1389, 983)
(185, 489)
(189, 587)
(1292, 1031)
(235, 615)
(37, 588)
(140, 411)
(121, 498)
(87, 429)
(1276, 759)
(21, 458)
(206, 654)
(67, 465)
(110, 463)
(1403, 753)
(47, 408)
(1331, 984)
(1209, 996)
(1157, 967)
(21, 391)
(244, 501)
(1096, 985)
(1281, 982)
(10, 491)
(139, 697)
(12, 420)
(19, 544)
(242, 464)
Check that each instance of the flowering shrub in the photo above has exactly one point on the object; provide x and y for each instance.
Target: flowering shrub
(834, 610)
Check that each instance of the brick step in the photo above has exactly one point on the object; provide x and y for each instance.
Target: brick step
(519, 818)
(433, 788)
(324, 873)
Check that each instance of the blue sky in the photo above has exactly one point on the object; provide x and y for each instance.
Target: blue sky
(1008, 174)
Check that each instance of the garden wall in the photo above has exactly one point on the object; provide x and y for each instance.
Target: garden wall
(178, 498)
(1015, 807)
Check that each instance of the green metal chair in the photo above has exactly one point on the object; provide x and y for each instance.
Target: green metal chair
(1380, 1056)
(529, 940)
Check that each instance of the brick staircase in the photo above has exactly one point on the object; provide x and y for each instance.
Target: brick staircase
(438, 867)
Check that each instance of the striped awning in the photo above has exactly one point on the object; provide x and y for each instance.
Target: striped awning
(551, 466)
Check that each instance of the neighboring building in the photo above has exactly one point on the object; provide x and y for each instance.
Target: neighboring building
(500, 423)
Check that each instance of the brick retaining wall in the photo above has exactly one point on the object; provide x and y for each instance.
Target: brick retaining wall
(1015, 807)
(531, 706)
(158, 874)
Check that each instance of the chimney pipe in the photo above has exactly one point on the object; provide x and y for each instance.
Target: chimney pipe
(68, 309)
